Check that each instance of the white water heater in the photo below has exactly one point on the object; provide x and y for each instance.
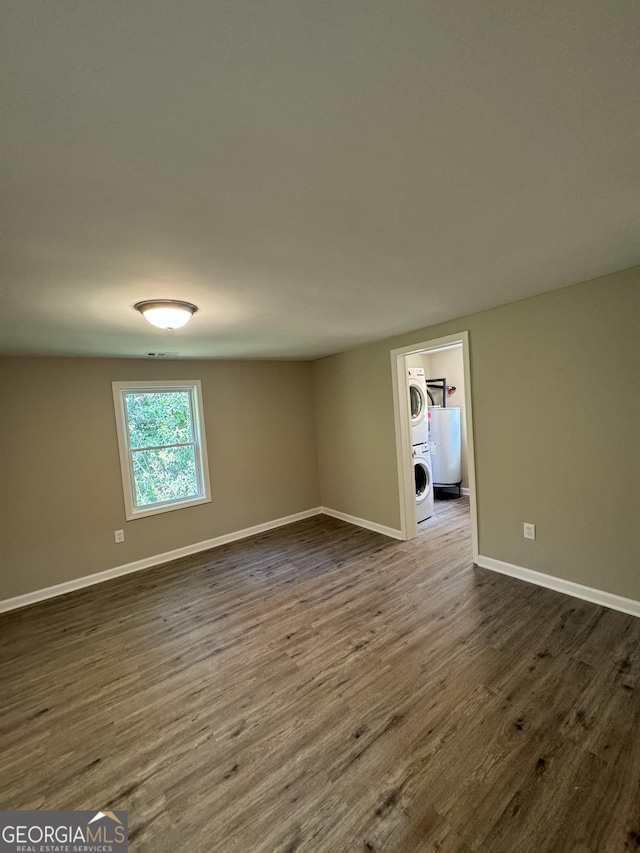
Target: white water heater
(446, 445)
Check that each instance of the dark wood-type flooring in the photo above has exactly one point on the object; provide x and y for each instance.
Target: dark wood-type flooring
(323, 688)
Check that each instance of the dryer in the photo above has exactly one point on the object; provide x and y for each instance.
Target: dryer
(424, 481)
(418, 405)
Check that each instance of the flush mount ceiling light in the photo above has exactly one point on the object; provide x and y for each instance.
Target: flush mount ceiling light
(166, 313)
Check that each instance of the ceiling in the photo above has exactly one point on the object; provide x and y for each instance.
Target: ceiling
(313, 175)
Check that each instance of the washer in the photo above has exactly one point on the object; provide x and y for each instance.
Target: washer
(418, 402)
(424, 481)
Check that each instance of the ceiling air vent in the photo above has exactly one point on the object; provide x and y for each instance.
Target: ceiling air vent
(161, 354)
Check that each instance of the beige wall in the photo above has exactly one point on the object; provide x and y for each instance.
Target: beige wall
(550, 448)
(61, 487)
(356, 436)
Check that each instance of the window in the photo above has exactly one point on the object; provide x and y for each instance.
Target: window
(163, 453)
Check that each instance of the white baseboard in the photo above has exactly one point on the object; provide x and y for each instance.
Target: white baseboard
(577, 590)
(149, 562)
(465, 491)
(362, 522)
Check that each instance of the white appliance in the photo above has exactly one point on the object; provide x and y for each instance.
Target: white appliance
(418, 405)
(424, 481)
(446, 445)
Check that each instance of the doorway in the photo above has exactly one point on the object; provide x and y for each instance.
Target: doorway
(433, 355)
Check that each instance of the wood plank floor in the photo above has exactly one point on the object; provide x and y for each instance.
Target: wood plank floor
(323, 688)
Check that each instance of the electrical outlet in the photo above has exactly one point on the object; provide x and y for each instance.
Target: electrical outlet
(119, 535)
(529, 530)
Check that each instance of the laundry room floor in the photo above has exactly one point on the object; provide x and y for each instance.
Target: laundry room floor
(452, 510)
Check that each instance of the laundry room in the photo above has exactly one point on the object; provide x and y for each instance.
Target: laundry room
(436, 387)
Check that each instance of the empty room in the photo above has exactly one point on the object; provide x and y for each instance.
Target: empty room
(319, 469)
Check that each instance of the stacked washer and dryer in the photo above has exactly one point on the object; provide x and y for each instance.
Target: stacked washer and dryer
(419, 408)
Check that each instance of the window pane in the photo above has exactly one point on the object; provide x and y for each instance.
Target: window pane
(158, 418)
(416, 401)
(164, 475)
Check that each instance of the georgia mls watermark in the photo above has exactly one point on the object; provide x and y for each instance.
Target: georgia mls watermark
(63, 832)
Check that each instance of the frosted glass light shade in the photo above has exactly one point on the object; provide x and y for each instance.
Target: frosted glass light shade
(166, 313)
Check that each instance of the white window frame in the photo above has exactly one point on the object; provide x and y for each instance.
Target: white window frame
(194, 387)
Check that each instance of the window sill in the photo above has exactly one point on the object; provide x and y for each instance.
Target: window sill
(143, 512)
